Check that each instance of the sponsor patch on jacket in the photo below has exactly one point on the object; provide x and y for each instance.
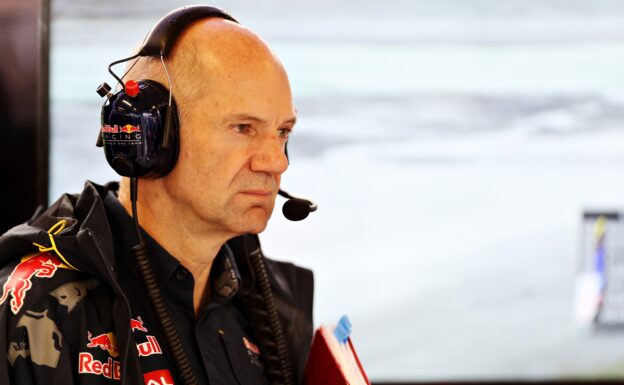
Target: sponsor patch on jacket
(149, 347)
(158, 377)
(253, 352)
(42, 265)
(88, 364)
(104, 341)
(137, 324)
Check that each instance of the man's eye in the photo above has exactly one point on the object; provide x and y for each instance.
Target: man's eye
(284, 132)
(242, 128)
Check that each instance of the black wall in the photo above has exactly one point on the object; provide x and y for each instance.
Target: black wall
(24, 117)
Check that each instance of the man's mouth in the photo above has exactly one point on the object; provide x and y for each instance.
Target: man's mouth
(258, 192)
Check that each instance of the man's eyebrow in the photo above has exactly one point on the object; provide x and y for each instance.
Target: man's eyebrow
(292, 121)
(245, 118)
(256, 119)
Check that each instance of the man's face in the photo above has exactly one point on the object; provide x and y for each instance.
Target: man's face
(232, 143)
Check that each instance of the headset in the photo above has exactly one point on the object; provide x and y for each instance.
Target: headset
(140, 135)
(140, 126)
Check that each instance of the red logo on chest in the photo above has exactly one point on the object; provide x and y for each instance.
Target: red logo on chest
(137, 324)
(158, 377)
(149, 347)
(110, 369)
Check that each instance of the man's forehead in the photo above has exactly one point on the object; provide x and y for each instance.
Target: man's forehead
(230, 73)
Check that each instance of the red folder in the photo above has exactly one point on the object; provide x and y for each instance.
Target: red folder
(323, 366)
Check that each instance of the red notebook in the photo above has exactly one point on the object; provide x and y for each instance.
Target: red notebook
(332, 362)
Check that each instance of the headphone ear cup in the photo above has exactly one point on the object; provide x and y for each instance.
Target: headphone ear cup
(133, 129)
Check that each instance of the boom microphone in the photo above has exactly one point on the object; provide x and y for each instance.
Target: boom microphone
(296, 209)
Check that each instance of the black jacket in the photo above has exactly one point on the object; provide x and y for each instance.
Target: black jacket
(63, 260)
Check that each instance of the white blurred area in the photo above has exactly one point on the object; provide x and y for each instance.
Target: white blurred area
(451, 146)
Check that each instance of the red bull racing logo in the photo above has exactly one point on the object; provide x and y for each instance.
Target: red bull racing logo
(148, 347)
(137, 324)
(88, 364)
(115, 129)
(42, 265)
(117, 134)
(129, 128)
(104, 341)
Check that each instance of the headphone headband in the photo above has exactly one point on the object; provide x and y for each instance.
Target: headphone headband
(163, 36)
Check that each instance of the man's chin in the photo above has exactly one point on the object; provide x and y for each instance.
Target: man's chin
(255, 221)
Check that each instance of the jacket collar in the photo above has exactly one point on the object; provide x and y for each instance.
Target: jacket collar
(84, 217)
(85, 243)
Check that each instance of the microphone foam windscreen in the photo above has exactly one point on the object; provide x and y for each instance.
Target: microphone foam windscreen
(296, 209)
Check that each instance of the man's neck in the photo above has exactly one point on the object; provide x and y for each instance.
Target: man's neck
(180, 233)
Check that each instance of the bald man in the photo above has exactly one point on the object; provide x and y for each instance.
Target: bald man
(74, 307)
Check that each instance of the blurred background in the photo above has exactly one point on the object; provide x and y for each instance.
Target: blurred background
(452, 147)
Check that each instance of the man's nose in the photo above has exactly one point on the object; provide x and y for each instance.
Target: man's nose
(270, 157)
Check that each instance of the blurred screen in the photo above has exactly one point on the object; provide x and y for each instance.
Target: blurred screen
(453, 147)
